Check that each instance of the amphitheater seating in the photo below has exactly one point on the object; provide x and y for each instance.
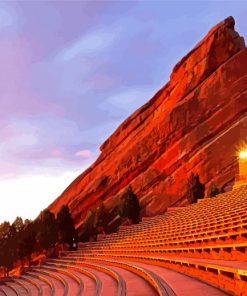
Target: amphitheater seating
(207, 241)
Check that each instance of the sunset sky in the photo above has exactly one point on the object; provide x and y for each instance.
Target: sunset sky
(72, 71)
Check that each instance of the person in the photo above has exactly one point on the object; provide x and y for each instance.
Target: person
(74, 244)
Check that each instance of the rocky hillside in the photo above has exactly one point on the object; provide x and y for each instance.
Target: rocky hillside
(196, 122)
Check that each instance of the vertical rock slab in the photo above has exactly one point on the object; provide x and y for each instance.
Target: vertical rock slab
(196, 122)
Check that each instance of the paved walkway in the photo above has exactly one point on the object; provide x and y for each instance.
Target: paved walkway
(135, 285)
(183, 285)
(89, 284)
(109, 286)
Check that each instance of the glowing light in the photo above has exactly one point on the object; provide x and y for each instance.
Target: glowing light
(243, 154)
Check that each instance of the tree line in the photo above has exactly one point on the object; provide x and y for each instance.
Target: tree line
(19, 240)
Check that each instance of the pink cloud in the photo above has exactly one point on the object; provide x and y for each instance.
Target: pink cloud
(84, 153)
(56, 152)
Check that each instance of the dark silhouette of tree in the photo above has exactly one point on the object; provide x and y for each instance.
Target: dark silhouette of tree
(66, 228)
(27, 241)
(7, 230)
(8, 248)
(100, 219)
(213, 190)
(20, 240)
(21, 251)
(47, 234)
(26, 222)
(129, 206)
(4, 229)
(2, 253)
(18, 224)
(88, 225)
(195, 189)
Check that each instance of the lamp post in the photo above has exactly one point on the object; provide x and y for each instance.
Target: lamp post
(243, 163)
(242, 169)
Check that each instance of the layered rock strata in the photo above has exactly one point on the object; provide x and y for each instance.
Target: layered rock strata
(196, 122)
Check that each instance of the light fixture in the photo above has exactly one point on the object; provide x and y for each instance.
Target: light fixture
(243, 154)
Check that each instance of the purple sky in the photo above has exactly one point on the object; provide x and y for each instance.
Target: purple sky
(72, 71)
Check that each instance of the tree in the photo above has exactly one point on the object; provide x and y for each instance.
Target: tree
(18, 224)
(213, 190)
(88, 225)
(100, 219)
(4, 229)
(129, 206)
(2, 252)
(27, 242)
(195, 189)
(66, 228)
(26, 222)
(8, 246)
(8, 252)
(47, 234)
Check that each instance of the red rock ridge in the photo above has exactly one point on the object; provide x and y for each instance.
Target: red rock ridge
(194, 123)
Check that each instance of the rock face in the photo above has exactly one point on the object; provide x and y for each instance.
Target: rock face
(196, 122)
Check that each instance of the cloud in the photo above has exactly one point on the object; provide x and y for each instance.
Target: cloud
(49, 143)
(7, 18)
(84, 153)
(128, 100)
(89, 44)
(68, 76)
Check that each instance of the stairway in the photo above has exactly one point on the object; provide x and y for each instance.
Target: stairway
(199, 250)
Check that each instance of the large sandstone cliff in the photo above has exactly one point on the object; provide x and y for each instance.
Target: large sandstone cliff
(196, 122)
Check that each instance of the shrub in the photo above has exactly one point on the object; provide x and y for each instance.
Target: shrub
(129, 206)
(195, 189)
(213, 190)
(100, 219)
(88, 225)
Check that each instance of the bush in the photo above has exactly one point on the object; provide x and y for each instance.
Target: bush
(88, 225)
(195, 189)
(213, 190)
(100, 219)
(129, 206)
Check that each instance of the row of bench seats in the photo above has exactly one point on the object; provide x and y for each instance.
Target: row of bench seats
(207, 241)
(214, 230)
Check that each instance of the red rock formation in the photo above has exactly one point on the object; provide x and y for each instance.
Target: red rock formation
(194, 123)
